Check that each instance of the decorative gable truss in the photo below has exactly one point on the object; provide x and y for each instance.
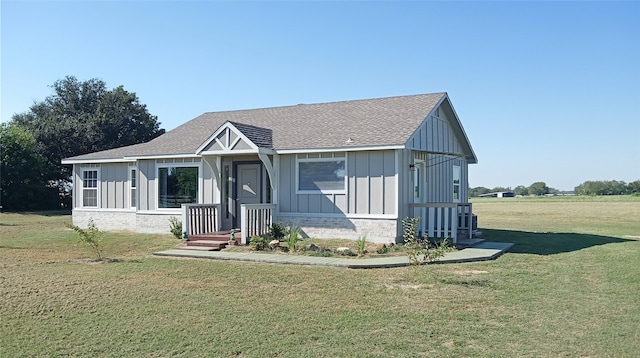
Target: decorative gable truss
(237, 138)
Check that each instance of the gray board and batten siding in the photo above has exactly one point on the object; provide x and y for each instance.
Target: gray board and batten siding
(370, 186)
(112, 185)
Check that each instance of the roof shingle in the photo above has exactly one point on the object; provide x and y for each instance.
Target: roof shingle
(369, 123)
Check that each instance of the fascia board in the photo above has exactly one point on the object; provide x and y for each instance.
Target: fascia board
(338, 149)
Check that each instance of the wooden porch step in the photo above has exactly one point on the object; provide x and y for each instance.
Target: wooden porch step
(199, 248)
(217, 236)
(215, 244)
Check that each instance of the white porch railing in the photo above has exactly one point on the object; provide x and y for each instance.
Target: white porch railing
(465, 220)
(200, 218)
(443, 220)
(255, 219)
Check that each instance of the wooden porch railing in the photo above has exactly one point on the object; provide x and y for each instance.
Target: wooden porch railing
(255, 219)
(443, 220)
(200, 218)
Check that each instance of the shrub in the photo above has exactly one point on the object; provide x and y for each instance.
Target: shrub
(293, 235)
(419, 250)
(258, 243)
(345, 251)
(411, 244)
(361, 243)
(277, 231)
(382, 249)
(175, 226)
(433, 251)
(92, 236)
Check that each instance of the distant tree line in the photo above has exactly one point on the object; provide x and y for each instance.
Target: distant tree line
(537, 188)
(602, 187)
(610, 187)
(78, 118)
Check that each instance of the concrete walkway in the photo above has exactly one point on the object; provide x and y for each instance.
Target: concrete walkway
(480, 252)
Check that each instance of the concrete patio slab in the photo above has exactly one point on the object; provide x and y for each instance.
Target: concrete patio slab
(481, 252)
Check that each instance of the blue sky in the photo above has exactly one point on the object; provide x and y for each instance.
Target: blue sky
(546, 91)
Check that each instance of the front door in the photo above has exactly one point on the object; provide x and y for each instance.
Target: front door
(248, 188)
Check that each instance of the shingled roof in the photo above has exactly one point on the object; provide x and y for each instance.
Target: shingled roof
(368, 123)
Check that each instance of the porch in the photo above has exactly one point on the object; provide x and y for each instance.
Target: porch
(201, 223)
(445, 220)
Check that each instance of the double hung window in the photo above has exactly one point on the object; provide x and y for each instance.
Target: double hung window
(456, 183)
(90, 188)
(133, 180)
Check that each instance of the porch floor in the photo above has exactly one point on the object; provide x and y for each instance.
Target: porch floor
(480, 252)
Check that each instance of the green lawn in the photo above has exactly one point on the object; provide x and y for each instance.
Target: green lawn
(570, 287)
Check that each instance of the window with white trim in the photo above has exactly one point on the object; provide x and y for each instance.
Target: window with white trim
(321, 175)
(177, 185)
(456, 183)
(419, 174)
(90, 188)
(133, 184)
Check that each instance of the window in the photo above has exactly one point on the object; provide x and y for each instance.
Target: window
(90, 188)
(321, 175)
(456, 183)
(177, 186)
(133, 183)
(226, 183)
(418, 181)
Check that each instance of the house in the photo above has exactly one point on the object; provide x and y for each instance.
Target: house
(336, 170)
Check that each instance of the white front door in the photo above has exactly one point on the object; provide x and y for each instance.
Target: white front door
(248, 188)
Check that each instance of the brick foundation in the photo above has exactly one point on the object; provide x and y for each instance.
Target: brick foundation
(106, 220)
(377, 230)
(114, 220)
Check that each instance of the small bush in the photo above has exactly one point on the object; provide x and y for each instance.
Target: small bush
(277, 231)
(346, 252)
(258, 243)
(382, 249)
(92, 236)
(293, 235)
(411, 243)
(175, 227)
(361, 244)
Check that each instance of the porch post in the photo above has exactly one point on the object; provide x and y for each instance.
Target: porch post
(214, 162)
(243, 224)
(272, 171)
(185, 218)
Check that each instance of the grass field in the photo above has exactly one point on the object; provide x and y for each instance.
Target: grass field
(570, 287)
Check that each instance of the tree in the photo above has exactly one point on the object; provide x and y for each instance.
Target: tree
(538, 188)
(477, 191)
(521, 190)
(611, 187)
(23, 183)
(83, 117)
(499, 189)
